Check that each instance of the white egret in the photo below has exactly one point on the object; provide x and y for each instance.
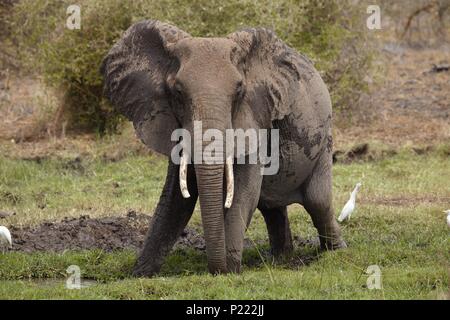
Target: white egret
(350, 205)
(448, 217)
(5, 238)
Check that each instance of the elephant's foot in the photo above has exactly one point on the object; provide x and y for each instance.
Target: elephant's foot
(233, 264)
(282, 247)
(284, 251)
(145, 270)
(329, 244)
(280, 237)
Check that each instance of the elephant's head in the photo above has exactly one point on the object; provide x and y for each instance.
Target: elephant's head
(162, 79)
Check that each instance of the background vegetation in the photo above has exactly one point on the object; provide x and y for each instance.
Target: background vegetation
(330, 32)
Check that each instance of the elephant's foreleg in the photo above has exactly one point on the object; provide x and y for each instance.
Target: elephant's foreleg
(169, 220)
(318, 202)
(277, 223)
(247, 188)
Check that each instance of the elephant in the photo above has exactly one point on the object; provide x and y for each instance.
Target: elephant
(163, 79)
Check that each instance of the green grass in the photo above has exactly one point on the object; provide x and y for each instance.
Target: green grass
(398, 225)
(54, 188)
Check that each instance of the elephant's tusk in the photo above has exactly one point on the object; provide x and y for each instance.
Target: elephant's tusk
(230, 181)
(183, 175)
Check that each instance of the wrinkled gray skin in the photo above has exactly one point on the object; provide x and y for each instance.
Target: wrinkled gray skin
(161, 78)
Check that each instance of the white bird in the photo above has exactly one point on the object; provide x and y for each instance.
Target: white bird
(448, 216)
(5, 238)
(350, 205)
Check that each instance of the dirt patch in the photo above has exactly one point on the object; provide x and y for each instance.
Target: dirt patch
(408, 104)
(108, 233)
(84, 233)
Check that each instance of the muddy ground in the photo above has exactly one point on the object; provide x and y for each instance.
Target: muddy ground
(84, 233)
(108, 233)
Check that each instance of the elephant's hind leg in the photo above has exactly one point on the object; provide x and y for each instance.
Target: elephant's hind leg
(318, 202)
(169, 220)
(277, 223)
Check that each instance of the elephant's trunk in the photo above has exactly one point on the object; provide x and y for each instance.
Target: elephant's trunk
(210, 178)
(210, 188)
(210, 171)
(210, 183)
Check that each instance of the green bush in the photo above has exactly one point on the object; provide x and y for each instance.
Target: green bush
(329, 31)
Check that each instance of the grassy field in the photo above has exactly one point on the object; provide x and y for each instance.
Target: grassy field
(398, 225)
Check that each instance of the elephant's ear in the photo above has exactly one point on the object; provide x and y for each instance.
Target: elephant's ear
(272, 73)
(134, 72)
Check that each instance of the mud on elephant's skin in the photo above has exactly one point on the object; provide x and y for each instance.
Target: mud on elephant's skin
(163, 79)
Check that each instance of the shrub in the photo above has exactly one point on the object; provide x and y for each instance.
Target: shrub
(328, 31)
